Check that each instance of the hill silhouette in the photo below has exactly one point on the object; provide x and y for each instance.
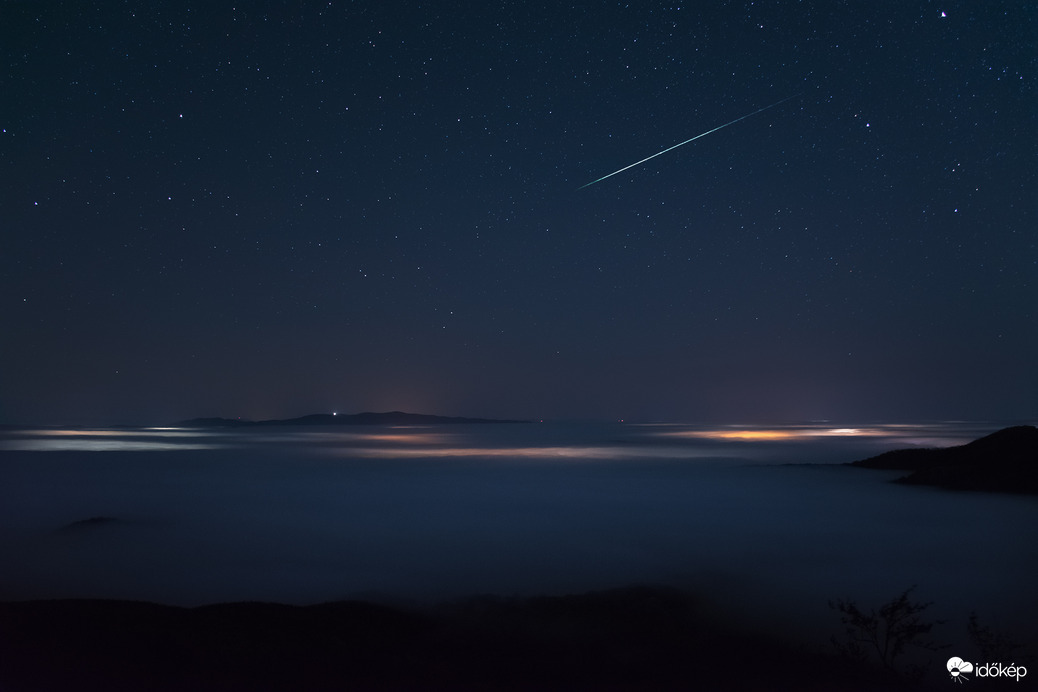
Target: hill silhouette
(367, 418)
(637, 638)
(1004, 461)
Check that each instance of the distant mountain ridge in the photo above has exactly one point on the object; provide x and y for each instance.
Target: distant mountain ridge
(1004, 461)
(366, 418)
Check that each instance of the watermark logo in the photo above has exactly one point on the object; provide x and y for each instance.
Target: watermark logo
(958, 670)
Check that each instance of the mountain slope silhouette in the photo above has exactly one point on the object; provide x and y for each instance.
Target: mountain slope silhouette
(1004, 461)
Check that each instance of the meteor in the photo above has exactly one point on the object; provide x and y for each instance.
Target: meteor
(719, 127)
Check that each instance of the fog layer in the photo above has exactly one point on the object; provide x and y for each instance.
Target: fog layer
(191, 517)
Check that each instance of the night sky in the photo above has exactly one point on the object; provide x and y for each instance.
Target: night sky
(272, 209)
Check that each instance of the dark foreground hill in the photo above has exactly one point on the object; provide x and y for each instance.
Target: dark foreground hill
(1004, 461)
(639, 638)
(367, 418)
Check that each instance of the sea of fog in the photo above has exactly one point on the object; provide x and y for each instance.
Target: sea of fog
(766, 525)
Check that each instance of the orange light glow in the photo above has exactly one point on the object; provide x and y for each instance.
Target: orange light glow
(775, 434)
(752, 435)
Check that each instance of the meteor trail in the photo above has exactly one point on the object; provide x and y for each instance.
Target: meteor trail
(688, 140)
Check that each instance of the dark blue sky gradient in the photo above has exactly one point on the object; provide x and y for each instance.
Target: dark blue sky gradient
(272, 209)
